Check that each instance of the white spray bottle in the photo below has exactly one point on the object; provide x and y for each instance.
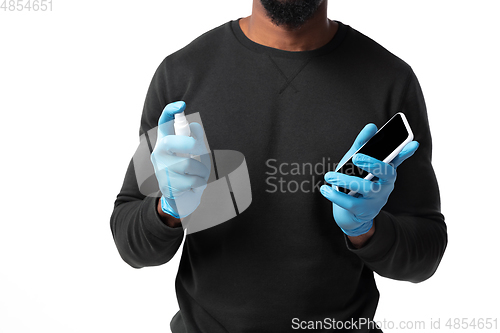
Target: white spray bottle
(181, 127)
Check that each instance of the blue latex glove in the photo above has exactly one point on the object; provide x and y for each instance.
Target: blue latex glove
(181, 179)
(355, 214)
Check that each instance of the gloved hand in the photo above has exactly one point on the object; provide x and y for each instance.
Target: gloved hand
(355, 214)
(181, 179)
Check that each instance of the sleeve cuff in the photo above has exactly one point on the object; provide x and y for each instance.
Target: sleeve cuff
(153, 222)
(380, 243)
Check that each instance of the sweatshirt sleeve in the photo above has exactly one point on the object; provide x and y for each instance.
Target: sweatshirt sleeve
(141, 237)
(410, 233)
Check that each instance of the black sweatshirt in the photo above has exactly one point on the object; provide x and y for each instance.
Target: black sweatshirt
(284, 261)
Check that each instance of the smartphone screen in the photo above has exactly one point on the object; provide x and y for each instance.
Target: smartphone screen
(380, 146)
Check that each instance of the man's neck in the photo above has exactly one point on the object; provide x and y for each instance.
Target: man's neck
(313, 34)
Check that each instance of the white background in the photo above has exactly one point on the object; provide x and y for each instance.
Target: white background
(72, 86)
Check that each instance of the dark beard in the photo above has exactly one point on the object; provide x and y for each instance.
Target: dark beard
(290, 13)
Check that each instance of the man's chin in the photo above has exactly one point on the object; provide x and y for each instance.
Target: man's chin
(290, 14)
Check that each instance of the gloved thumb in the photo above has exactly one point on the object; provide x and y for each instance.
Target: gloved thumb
(366, 134)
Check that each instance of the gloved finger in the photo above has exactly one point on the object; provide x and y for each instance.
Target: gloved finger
(201, 147)
(198, 134)
(188, 202)
(406, 153)
(165, 123)
(200, 188)
(190, 166)
(366, 134)
(340, 199)
(384, 171)
(197, 182)
(179, 184)
(176, 144)
(353, 183)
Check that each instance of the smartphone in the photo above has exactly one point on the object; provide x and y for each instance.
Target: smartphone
(385, 145)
